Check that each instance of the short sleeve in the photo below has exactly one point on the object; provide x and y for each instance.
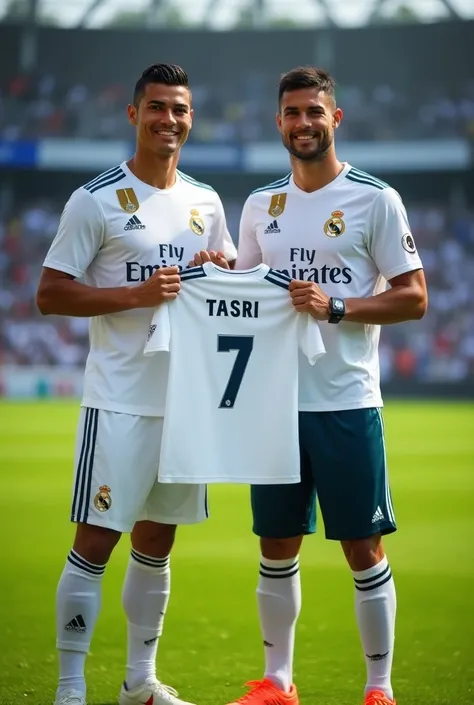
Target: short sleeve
(390, 242)
(79, 237)
(220, 239)
(249, 252)
(159, 332)
(310, 340)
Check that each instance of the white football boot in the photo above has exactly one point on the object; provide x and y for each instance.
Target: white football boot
(70, 697)
(152, 692)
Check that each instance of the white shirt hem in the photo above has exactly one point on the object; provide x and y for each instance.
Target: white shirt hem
(60, 267)
(205, 480)
(122, 408)
(342, 406)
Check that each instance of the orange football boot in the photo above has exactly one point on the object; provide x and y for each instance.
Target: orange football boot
(265, 692)
(377, 697)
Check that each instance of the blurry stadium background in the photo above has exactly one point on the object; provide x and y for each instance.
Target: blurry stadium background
(406, 83)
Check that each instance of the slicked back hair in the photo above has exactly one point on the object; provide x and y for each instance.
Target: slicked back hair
(169, 74)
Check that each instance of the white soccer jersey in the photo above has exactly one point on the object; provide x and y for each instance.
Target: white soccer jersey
(116, 231)
(349, 237)
(232, 402)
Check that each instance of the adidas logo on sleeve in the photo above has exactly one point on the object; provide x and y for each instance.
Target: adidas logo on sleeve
(134, 224)
(272, 228)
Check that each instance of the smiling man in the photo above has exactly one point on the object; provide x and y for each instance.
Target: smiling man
(341, 234)
(128, 233)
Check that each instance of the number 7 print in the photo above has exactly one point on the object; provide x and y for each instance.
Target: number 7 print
(244, 345)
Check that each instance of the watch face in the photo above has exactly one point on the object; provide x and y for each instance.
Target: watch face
(338, 305)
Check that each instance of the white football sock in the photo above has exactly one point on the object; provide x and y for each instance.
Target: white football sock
(279, 604)
(77, 608)
(376, 606)
(145, 598)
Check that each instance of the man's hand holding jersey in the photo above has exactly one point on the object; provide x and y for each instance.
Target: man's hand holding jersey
(308, 297)
(212, 256)
(163, 285)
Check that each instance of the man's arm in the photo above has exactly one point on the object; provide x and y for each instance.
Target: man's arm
(60, 294)
(406, 300)
(78, 240)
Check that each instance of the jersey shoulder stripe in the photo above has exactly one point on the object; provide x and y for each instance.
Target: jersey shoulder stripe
(277, 278)
(192, 273)
(193, 182)
(105, 179)
(280, 275)
(362, 177)
(105, 175)
(275, 185)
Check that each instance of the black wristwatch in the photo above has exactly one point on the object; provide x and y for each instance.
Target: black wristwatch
(337, 309)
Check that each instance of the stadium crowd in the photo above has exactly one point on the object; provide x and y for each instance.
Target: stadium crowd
(45, 106)
(438, 348)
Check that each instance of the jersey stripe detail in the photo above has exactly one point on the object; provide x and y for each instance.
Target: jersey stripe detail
(366, 180)
(359, 172)
(105, 175)
(193, 182)
(82, 485)
(110, 180)
(274, 185)
(193, 273)
(281, 275)
(278, 282)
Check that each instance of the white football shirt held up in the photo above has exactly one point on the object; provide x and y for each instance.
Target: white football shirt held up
(349, 237)
(232, 400)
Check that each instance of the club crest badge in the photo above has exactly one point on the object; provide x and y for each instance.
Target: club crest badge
(103, 500)
(334, 226)
(196, 223)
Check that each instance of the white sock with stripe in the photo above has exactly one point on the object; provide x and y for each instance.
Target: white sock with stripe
(145, 597)
(77, 608)
(376, 606)
(279, 605)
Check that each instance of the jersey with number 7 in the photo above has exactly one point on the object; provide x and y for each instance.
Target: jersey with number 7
(232, 399)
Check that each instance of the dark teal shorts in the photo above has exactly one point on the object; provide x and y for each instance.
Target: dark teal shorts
(343, 465)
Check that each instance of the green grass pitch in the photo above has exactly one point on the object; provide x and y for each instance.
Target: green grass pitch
(211, 642)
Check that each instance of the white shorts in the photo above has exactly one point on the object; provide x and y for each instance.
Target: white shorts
(116, 475)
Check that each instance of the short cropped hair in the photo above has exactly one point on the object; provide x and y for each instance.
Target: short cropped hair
(307, 77)
(169, 74)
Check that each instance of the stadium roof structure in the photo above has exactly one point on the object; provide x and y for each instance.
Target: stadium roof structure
(227, 14)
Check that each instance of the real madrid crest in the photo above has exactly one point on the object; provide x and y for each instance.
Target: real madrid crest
(103, 500)
(334, 226)
(196, 223)
(128, 200)
(277, 204)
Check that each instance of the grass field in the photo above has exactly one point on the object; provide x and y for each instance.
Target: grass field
(211, 643)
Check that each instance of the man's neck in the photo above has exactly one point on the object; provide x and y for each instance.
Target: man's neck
(311, 176)
(156, 170)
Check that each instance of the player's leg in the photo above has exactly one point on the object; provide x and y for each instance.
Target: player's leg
(107, 498)
(148, 579)
(282, 515)
(354, 494)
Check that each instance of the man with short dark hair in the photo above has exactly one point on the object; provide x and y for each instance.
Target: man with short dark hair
(128, 232)
(341, 235)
